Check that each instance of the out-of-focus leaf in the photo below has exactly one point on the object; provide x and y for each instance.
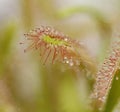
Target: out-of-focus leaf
(47, 8)
(114, 94)
(69, 99)
(93, 12)
(100, 19)
(6, 39)
(27, 15)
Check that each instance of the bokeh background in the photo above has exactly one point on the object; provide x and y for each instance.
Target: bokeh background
(28, 86)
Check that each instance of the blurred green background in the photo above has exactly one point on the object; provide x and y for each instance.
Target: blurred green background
(28, 86)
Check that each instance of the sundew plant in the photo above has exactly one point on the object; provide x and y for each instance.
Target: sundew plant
(49, 41)
(60, 56)
(68, 51)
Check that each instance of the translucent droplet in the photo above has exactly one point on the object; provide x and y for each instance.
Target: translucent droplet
(66, 39)
(65, 58)
(67, 61)
(117, 78)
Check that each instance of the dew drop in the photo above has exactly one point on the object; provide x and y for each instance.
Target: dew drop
(65, 58)
(66, 39)
(67, 61)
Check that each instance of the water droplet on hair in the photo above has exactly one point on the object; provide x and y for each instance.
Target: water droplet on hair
(65, 58)
(66, 39)
(67, 61)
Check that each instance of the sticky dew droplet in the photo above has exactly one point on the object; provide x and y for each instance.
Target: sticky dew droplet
(66, 39)
(67, 61)
(65, 58)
